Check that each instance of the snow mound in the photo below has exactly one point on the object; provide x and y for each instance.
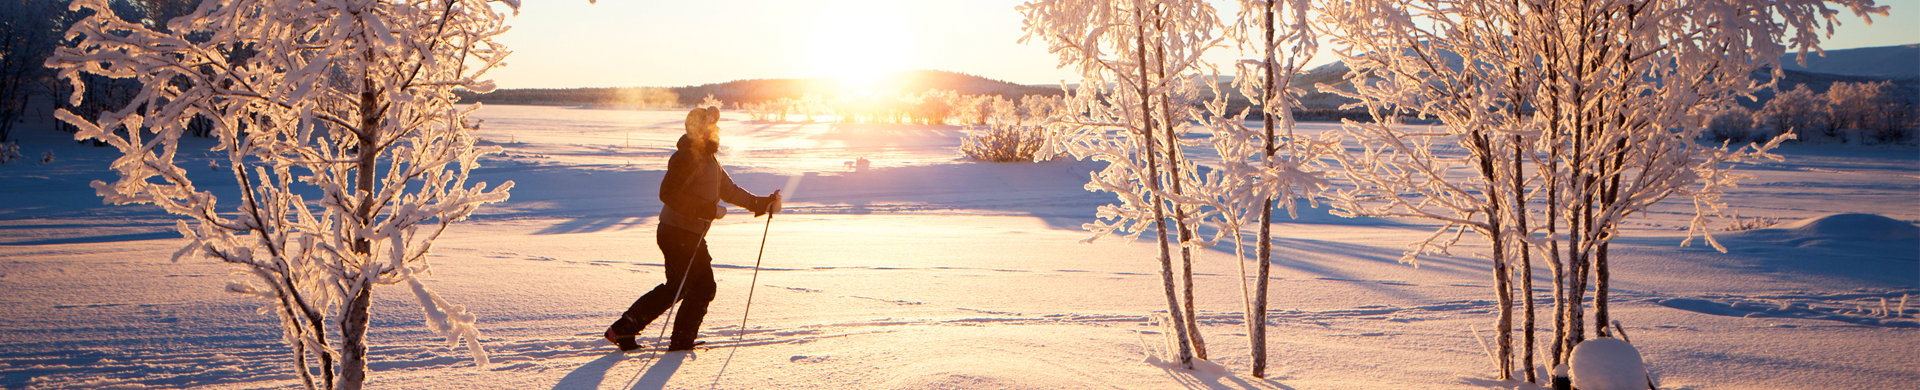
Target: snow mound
(1607, 364)
(1861, 226)
(1857, 227)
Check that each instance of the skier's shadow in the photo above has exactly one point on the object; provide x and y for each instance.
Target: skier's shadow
(592, 374)
(661, 370)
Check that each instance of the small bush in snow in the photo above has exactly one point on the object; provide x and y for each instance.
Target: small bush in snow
(8, 152)
(46, 158)
(1734, 124)
(1741, 224)
(1003, 142)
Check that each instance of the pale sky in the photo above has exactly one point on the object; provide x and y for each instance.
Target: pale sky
(621, 43)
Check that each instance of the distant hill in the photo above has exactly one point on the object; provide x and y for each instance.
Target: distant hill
(1886, 62)
(1314, 106)
(898, 83)
(1335, 74)
(760, 90)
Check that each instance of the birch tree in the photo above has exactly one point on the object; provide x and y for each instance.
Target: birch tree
(1405, 60)
(337, 122)
(1138, 62)
(1623, 94)
(1590, 107)
(1261, 167)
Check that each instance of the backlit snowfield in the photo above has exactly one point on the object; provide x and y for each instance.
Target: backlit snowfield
(929, 271)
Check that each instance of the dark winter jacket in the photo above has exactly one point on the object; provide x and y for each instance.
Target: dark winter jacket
(695, 185)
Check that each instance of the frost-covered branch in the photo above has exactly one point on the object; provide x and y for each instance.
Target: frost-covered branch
(349, 101)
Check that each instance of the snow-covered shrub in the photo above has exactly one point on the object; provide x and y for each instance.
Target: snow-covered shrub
(46, 158)
(710, 101)
(1734, 124)
(1798, 111)
(1004, 142)
(1875, 108)
(8, 152)
(338, 120)
(1741, 224)
(1607, 363)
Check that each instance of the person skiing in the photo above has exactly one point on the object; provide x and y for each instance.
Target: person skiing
(691, 194)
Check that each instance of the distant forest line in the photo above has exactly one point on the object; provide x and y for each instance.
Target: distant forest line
(758, 91)
(911, 95)
(926, 96)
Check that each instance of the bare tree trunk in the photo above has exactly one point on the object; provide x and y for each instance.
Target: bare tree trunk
(1552, 136)
(1555, 262)
(1611, 194)
(1257, 329)
(1526, 258)
(1503, 285)
(353, 343)
(1600, 292)
(1173, 172)
(1483, 148)
(1579, 223)
(1583, 272)
(1605, 237)
(1153, 182)
(353, 319)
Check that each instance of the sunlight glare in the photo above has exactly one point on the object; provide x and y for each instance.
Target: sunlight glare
(857, 42)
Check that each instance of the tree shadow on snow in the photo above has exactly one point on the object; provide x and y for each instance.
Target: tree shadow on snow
(1207, 375)
(588, 198)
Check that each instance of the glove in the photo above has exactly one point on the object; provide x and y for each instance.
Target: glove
(771, 204)
(719, 211)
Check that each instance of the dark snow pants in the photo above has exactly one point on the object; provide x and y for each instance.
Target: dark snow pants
(689, 280)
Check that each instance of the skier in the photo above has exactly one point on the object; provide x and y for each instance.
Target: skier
(691, 193)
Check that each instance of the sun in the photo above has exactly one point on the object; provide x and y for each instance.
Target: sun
(858, 42)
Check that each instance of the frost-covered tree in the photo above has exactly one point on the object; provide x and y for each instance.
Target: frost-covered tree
(1258, 167)
(1620, 115)
(1590, 107)
(338, 123)
(1138, 62)
(1875, 108)
(29, 31)
(1798, 111)
(106, 93)
(1406, 58)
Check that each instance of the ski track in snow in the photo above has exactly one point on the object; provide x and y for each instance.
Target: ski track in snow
(927, 271)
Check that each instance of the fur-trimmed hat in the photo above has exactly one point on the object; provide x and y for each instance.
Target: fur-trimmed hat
(703, 123)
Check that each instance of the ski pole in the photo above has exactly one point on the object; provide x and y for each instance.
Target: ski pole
(755, 282)
(740, 336)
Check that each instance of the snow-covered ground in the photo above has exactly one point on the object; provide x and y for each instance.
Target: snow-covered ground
(927, 271)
